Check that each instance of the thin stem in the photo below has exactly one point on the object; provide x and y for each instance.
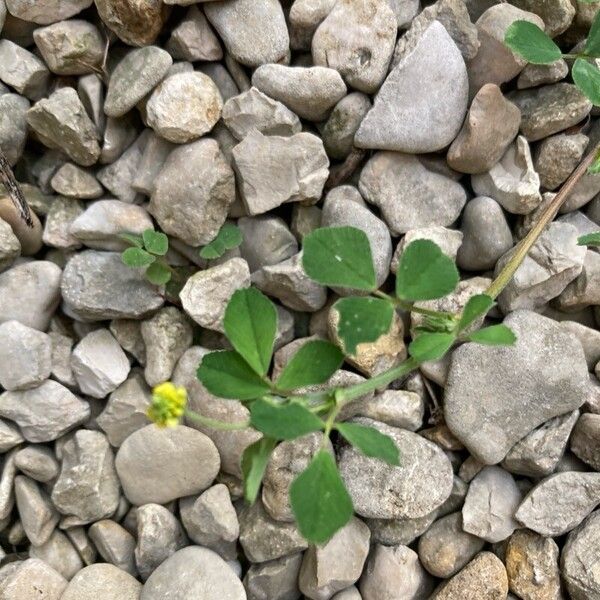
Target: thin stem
(14, 190)
(410, 307)
(523, 247)
(215, 423)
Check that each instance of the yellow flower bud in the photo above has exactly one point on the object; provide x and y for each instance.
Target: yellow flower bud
(168, 404)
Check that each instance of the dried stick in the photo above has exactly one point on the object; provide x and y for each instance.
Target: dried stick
(14, 190)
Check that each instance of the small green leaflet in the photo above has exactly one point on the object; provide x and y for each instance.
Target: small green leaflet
(594, 168)
(425, 272)
(370, 442)
(158, 273)
(592, 44)
(590, 239)
(136, 257)
(229, 237)
(587, 78)
(476, 307)
(250, 324)
(430, 346)
(133, 239)
(254, 463)
(227, 375)
(319, 499)
(496, 335)
(156, 242)
(362, 319)
(283, 421)
(339, 257)
(530, 42)
(314, 363)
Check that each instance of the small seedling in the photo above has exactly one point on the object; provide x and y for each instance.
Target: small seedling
(228, 238)
(148, 252)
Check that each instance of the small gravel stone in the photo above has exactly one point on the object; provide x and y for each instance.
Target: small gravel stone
(550, 109)
(579, 560)
(97, 286)
(532, 566)
(44, 413)
(484, 578)
(99, 364)
(337, 564)
(394, 572)
(38, 516)
(310, 92)
(298, 175)
(407, 493)
(409, 195)
(560, 502)
(104, 581)
(193, 39)
(557, 156)
(61, 121)
(115, 544)
(62, 212)
(13, 126)
(188, 464)
(429, 88)
(22, 70)
(37, 462)
(10, 436)
(60, 554)
(490, 504)
(29, 293)
(482, 410)
(492, 123)
(31, 579)
(87, 489)
(159, 535)
(193, 192)
(536, 75)
(74, 182)
(585, 441)
(584, 289)
(274, 580)
(25, 356)
(538, 453)
(184, 107)
(73, 47)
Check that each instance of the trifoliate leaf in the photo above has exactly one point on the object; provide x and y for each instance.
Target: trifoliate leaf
(430, 346)
(476, 307)
(229, 237)
(250, 324)
(425, 272)
(156, 242)
(592, 44)
(319, 499)
(362, 320)
(254, 463)
(370, 442)
(136, 257)
(529, 41)
(283, 421)
(133, 239)
(587, 78)
(496, 335)
(314, 363)
(158, 273)
(227, 375)
(339, 257)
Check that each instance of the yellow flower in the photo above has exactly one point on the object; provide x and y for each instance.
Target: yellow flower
(168, 404)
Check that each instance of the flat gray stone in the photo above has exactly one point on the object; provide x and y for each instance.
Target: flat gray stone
(13, 126)
(193, 39)
(44, 12)
(38, 515)
(31, 579)
(22, 70)
(557, 156)
(115, 544)
(37, 462)
(104, 581)
(59, 553)
(585, 441)
(274, 580)
(74, 182)
(547, 367)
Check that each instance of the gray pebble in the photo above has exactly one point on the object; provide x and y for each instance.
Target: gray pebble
(585, 441)
(13, 126)
(115, 544)
(60, 554)
(29, 578)
(37, 462)
(104, 581)
(22, 70)
(274, 580)
(193, 39)
(38, 516)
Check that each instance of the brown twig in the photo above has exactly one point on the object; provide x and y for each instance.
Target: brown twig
(340, 173)
(14, 190)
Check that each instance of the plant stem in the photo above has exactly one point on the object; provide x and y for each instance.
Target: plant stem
(214, 423)
(410, 307)
(14, 190)
(523, 247)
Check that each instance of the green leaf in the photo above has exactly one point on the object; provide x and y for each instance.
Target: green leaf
(592, 44)
(314, 363)
(229, 237)
(227, 375)
(283, 421)
(430, 346)
(319, 499)
(476, 307)
(590, 239)
(370, 442)
(156, 242)
(496, 335)
(362, 320)
(594, 168)
(530, 42)
(158, 274)
(425, 272)
(254, 463)
(339, 257)
(136, 257)
(587, 78)
(250, 324)
(133, 239)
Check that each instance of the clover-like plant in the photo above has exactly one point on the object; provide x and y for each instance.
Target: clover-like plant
(148, 252)
(228, 238)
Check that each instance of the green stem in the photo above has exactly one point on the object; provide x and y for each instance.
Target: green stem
(523, 247)
(410, 307)
(214, 423)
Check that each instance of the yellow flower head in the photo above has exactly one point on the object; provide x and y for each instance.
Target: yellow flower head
(168, 404)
